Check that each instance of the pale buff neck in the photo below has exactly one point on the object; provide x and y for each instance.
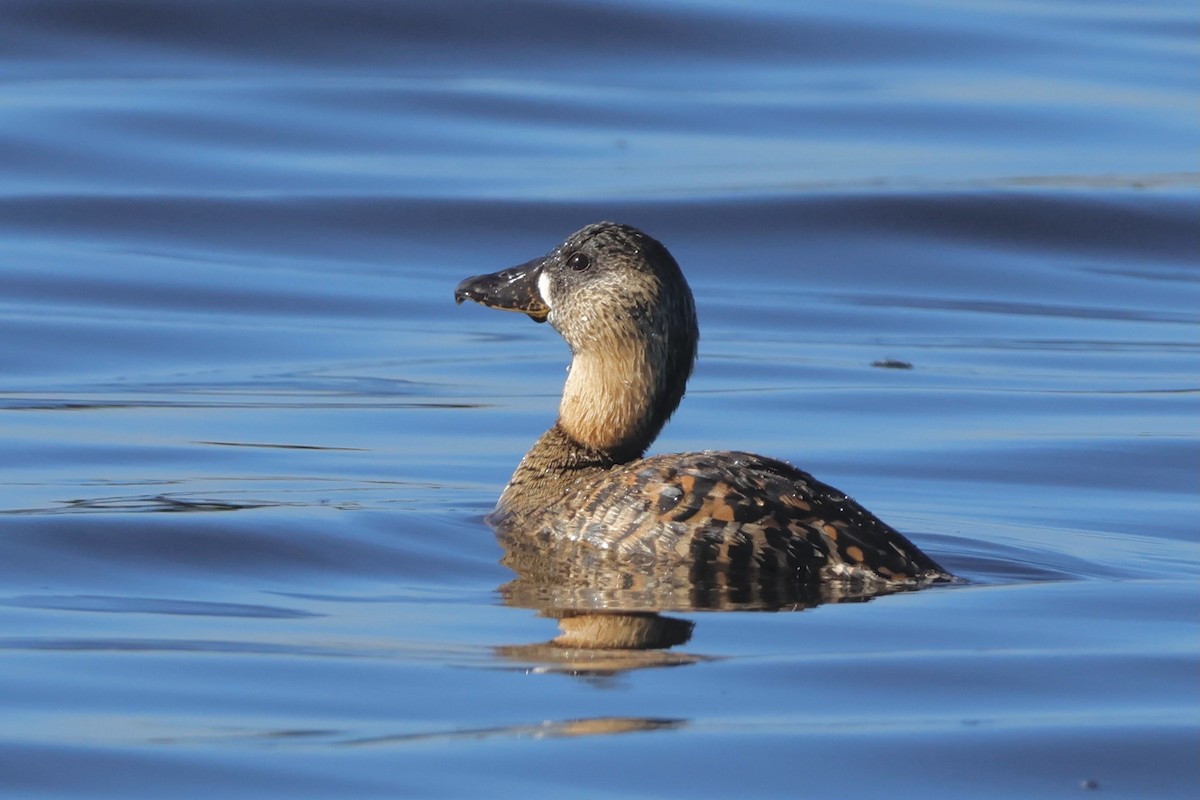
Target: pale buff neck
(606, 418)
(609, 399)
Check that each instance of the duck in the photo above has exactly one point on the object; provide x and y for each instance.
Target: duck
(587, 493)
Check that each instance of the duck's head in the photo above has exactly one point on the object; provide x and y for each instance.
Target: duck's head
(620, 301)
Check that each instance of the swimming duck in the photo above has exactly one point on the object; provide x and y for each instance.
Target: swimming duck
(586, 491)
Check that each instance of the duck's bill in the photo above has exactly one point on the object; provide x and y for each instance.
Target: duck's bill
(513, 289)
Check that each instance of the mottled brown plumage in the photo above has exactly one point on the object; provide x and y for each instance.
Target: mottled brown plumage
(584, 498)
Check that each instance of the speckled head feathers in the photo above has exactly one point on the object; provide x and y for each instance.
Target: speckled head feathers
(615, 271)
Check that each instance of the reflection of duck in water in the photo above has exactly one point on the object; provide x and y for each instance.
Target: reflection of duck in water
(605, 643)
(584, 501)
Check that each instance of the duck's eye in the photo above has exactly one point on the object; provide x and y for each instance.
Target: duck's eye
(579, 261)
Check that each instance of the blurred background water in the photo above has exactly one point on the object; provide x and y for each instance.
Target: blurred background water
(247, 439)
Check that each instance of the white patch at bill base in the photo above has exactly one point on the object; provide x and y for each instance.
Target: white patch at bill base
(544, 289)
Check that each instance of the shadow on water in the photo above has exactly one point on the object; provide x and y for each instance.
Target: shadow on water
(549, 729)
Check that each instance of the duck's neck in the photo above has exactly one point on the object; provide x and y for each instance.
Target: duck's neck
(612, 408)
(612, 400)
(620, 390)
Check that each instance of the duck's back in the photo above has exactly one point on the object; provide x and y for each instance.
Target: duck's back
(726, 511)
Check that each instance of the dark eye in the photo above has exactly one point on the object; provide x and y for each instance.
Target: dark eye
(579, 261)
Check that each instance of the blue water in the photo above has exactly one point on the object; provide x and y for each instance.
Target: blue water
(247, 439)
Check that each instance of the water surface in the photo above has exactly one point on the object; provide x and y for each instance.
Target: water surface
(249, 440)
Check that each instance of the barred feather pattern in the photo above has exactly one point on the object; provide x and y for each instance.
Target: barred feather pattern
(714, 519)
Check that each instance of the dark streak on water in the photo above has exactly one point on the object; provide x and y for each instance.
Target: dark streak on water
(945, 257)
